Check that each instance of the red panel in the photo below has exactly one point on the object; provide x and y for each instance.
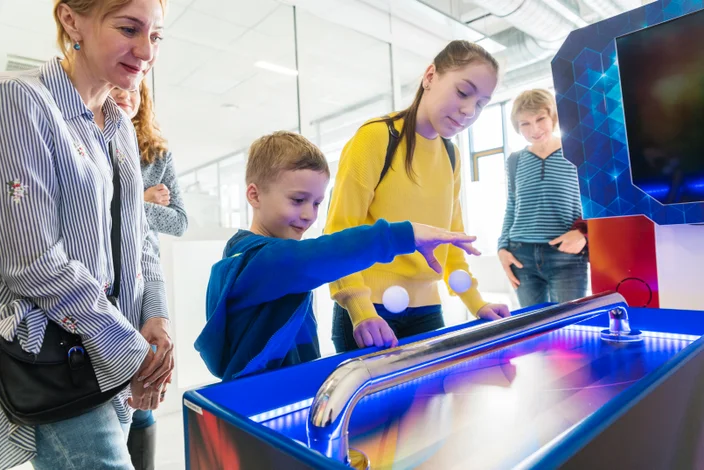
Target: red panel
(622, 255)
(210, 442)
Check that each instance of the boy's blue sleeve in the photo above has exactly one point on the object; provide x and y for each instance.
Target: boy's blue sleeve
(283, 267)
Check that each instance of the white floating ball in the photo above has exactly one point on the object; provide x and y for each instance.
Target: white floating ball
(460, 281)
(395, 299)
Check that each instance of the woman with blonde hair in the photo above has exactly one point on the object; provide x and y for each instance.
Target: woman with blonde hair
(166, 214)
(542, 247)
(74, 259)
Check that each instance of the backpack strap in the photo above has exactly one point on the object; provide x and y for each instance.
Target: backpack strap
(395, 139)
(512, 164)
(450, 152)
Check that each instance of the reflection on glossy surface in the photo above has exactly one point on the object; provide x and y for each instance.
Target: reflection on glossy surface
(496, 410)
(352, 380)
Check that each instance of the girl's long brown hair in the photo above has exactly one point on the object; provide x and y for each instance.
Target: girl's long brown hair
(455, 55)
(151, 144)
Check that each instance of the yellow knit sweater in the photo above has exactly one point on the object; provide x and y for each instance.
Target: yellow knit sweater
(433, 199)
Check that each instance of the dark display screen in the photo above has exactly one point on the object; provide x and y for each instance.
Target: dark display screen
(662, 81)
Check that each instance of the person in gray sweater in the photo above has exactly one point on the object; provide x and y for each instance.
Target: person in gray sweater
(165, 214)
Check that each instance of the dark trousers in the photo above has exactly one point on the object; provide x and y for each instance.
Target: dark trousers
(141, 442)
(414, 321)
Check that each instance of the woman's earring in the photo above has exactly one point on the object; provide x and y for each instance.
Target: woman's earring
(77, 46)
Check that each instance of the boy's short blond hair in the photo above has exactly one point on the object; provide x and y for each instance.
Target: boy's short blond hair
(281, 151)
(534, 101)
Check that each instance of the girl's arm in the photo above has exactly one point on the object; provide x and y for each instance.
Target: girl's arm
(455, 256)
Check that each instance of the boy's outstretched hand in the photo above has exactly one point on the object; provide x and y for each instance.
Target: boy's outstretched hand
(375, 332)
(428, 238)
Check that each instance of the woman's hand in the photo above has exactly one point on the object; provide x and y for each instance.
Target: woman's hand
(144, 398)
(158, 194)
(167, 382)
(507, 259)
(428, 238)
(156, 332)
(572, 242)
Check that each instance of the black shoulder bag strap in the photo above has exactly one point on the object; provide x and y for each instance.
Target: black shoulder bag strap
(116, 230)
(59, 382)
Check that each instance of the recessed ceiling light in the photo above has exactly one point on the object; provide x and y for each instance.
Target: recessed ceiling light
(331, 101)
(491, 46)
(276, 68)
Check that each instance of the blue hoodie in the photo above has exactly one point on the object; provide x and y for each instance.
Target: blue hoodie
(259, 306)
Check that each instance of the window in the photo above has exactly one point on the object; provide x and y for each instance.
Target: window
(232, 187)
(201, 197)
(491, 167)
(515, 140)
(487, 143)
(345, 79)
(239, 83)
(488, 131)
(409, 67)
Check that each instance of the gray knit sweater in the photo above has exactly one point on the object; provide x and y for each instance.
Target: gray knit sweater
(169, 219)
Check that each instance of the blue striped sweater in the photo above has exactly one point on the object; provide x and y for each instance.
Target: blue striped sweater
(545, 201)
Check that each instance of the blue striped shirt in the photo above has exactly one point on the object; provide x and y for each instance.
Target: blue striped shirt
(55, 255)
(545, 201)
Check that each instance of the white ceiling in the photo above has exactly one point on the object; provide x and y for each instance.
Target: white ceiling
(211, 99)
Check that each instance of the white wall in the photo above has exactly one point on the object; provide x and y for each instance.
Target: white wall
(680, 261)
(186, 263)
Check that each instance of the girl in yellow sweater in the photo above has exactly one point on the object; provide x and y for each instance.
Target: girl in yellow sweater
(419, 185)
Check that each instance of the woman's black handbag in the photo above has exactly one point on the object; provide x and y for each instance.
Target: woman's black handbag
(58, 383)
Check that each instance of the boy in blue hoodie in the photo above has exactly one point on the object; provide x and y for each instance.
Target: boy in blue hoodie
(259, 301)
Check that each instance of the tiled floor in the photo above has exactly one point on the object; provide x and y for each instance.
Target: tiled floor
(169, 445)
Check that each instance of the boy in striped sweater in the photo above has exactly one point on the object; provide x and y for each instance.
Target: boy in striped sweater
(542, 247)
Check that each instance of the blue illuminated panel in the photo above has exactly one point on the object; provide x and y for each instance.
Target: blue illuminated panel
(525, 393)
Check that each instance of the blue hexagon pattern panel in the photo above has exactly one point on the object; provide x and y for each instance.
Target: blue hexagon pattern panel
(589, 103)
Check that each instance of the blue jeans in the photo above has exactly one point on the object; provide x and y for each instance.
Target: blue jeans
(93, 440)
(413, 321)
(548, 275)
